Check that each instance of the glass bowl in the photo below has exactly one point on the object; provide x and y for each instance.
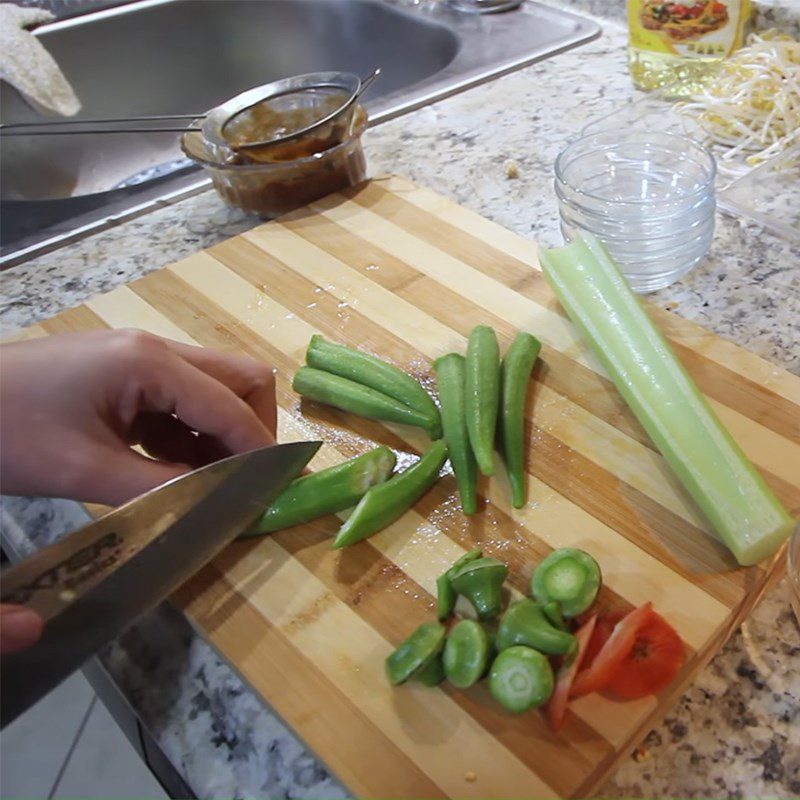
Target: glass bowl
(273, 188)
(648, 196)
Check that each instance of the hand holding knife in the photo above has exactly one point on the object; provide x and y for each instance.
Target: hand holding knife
(91, 585)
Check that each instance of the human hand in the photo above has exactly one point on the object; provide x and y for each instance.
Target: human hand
(20, 628)
(73, 405)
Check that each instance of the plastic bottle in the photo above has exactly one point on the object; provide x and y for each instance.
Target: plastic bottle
(678, 44)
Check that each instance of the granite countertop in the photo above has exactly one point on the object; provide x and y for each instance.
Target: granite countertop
(736, 731)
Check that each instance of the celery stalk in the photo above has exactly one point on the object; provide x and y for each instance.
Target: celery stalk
(712, 467)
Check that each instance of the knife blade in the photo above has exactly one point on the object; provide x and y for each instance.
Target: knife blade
(95, 582)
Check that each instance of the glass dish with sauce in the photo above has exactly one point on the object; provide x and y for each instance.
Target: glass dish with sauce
(272, 130)
(275, 178)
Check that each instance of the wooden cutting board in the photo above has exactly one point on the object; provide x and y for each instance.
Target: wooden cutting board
(405, 274)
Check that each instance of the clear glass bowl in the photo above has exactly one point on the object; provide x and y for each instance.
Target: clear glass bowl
(273, 188)
(648, 196)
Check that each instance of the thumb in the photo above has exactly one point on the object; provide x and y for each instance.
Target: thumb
(20, 628)
(123, 474)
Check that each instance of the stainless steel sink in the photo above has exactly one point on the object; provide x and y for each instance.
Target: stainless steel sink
(185, 56)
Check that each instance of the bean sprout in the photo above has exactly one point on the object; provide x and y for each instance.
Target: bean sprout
(752, 104)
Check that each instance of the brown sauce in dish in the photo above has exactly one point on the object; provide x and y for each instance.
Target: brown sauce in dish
(285, 184)
(282, 116)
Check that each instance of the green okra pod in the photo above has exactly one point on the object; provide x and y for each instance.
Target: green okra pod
(368, 370)
(515, 375)
(326, 492)
(384, 504)
(482, 394)
(451, 380)
(351, 396)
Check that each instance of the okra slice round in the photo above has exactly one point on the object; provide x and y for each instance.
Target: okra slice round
(571, 577)
(524, 623)
(466, 653)
(481, 582)
(424, 645)
(552, 611)
(445, 597)
(432, 674)
(520, 679)
(445, 592)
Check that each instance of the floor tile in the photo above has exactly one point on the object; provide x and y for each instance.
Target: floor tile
(105, 765)
(33, 747)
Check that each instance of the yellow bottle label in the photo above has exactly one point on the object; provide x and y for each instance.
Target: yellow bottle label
(692, 29)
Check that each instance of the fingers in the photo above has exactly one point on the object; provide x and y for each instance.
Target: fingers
(203, 403)
(165, 437)
(72, 404)
(20, 628)
(253, 381)
(119, 474)
(153, 375)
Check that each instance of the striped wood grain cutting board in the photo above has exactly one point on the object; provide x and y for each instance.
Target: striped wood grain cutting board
(405, 274)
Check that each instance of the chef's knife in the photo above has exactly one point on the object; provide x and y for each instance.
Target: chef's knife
(92, 584)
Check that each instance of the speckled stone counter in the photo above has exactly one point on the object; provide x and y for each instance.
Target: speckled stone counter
(736, 732)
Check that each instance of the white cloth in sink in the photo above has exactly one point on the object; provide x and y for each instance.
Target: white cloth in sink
(28, 67)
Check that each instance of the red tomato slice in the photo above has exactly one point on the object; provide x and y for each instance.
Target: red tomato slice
(652, 663)
(602, 633)
(611, 655)
(557, 705)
